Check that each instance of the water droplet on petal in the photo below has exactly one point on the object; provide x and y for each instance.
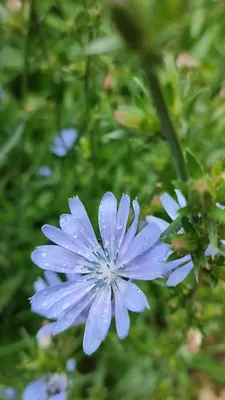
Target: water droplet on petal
(44, 254)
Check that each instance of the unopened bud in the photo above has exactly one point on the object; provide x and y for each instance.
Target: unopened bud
(14, 5)
(222, 93)
(202, 193)
(107, 85)
(129, 119)
(186, 61)
(184, 243)
(194, 341)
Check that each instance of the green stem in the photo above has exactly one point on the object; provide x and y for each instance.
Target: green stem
(87, 93)
(30, 23)
(167, 126)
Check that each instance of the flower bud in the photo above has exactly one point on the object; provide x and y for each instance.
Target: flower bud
(184, 243)
(131, 120)
(201, 192)
(194, 341)
(186, 61)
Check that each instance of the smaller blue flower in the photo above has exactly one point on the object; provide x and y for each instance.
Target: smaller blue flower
(8, 394)
(49, 387)
(63, 142)
(45, 171)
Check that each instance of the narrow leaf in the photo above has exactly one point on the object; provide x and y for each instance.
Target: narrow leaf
(218, 214)
(212, 231)
(11, 143)
(174, 227)
(194, 167)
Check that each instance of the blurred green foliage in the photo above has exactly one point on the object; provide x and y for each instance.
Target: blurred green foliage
(51, 79)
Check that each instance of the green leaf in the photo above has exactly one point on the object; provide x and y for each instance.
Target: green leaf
(104, 45)
(211, 367)
(218, 214)
(217, 168)
(174, 227)
(194, 167)
(8, 288)
(11, 58)
(222, 249)
(213, 238)
(12, 142)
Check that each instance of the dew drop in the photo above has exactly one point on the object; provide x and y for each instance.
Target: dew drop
(44, 254)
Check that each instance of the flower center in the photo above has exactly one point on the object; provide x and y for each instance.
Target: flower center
(57, 384)
(107, 272)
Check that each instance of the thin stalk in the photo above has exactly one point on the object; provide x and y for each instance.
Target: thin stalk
(167, 126)
(87, 93)
(30, 23)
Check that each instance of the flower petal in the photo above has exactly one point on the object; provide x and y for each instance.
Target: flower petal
(36, 390)
(121, 315)
(181, 199)
(79, 213)
(52, 278)
(63, 239)
(56, 258)
(122, 219)
(46, 298)
(146, 272)
(145, 239)
(131, 231)
(46, 330)
(71, 364)
(70, 316)
(70, 300)
(159, 252)
(180, 274)
(170, 206)
(39, 284)
(163, 225)
(98, 320)
(69, 136)
(170, 265)
(73, 227)
(107, 223)
(133, 298)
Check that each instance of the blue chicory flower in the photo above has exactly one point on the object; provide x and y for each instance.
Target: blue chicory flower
(106, 271)
(45, 171)
(179, 269)
(49, 387)
(63, 142)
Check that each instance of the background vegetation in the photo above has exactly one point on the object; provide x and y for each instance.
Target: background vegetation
(48, 82)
